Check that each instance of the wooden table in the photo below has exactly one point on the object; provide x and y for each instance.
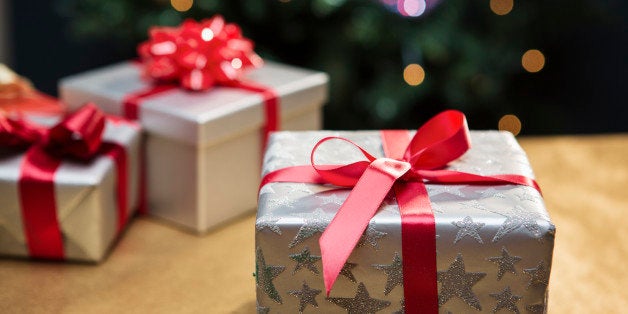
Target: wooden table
(158, 269)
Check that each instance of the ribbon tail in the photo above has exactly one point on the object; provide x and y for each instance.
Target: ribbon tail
(418, 239)
(345, 230)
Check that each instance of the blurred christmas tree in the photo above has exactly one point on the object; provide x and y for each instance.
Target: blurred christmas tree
(392, 63)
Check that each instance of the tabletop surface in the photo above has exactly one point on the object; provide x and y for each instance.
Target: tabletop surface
(159, 269)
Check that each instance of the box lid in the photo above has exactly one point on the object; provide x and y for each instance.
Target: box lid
(198, 117)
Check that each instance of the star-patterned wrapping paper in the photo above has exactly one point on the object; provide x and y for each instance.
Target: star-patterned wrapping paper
(493, 243)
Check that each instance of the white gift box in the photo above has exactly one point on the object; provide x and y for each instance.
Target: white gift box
(203, 149)
(85, 195)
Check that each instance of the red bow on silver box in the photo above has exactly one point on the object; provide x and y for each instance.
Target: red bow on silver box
(77, 137)
(410, 163)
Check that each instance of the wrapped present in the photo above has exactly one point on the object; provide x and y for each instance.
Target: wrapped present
(425, 224)
(67, 190)
(17, 95)
(206, 118)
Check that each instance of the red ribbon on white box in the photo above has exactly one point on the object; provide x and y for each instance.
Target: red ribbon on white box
(77, 137)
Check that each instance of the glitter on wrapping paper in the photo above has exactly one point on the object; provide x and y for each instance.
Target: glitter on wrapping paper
(505, 262)
(346, 271)
(402, 310)
(506, 300)
(473, 204)
(466, 227)
(268, 221)
(331, 199)
(261, 309)
(492, 192)
(536, 308)
(394, 273)
(436, 189)
(265, 275)
(280, 202)
(456, 281)
(527, 196)
(371, 236)
(516, 218)
(306, 296)
(362, 302)
(305, 259)
(313, 223)
(539, 275)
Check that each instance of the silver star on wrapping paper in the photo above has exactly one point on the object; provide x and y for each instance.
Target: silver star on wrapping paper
(526, 196)
(536, 308)
(516, 218)
(264, 275)
(457, 282)
(505, 262)
(261, 309)
(436, 189)
(362, 302)
(371, 236)
(466, 227)
(506, 300)
(314, 223)
(402, 310)
(306, 296)
(267, 189)
(346, 271)
(331, 199)
(436, 208)
(305, 259)
(539, 276)
(298, 187)
(473, 204)
(492, 192)
(280, 202)
(268, 221)
(394, 273)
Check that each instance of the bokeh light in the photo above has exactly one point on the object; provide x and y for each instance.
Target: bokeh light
(181, 5)
(413, 74)
(501, 7)
(411, 7)
(533, 60)
(510, 123)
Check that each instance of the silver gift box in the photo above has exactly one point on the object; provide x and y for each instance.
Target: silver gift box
(499, 238)
(85, 195)
(203, 148)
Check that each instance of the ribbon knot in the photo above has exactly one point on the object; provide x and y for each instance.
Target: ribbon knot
(78, 136)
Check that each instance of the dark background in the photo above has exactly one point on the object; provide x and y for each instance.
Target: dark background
(471, 56)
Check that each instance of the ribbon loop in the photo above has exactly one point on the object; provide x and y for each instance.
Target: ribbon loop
(341, 175)
(18, 133)
(440, 140)
(79, 135)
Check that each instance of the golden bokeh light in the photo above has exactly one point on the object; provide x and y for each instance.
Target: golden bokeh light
(413, 74)
(533, 60)
(181, 5)
(510, 123)
(501, 7)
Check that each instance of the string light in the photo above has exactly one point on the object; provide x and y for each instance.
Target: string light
(510, 123)
(413, 74)
(501, 7)
(181, 5)
(533, 60)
